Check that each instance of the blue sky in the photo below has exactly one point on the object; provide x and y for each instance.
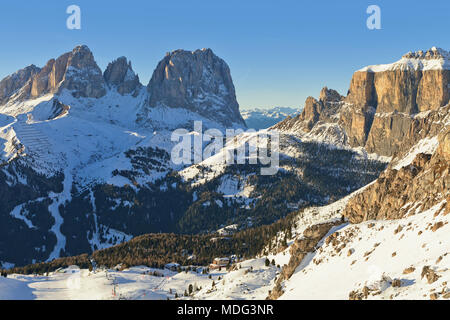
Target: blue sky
(279, 52)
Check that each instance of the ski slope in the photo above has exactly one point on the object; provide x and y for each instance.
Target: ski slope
(374, 253)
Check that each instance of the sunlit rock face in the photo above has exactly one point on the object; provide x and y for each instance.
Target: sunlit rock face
(198, 81)
(19, 83)
(76, 71)
(388, 107)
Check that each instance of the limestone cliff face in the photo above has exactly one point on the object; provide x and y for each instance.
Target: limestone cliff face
(311, 113)
(388, 107)
(433, 91)
(18, 83)
(120, 75)
(362, 90)
(394, 133)
(76, 71)
(315, 111)
(198, 81)
(397, 193)
(419, 82)
(403, 90)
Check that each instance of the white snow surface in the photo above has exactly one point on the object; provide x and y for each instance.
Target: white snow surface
(434, 59)
(377, 251)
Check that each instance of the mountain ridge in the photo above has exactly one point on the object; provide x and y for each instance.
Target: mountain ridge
(121, 183)
(382, 109)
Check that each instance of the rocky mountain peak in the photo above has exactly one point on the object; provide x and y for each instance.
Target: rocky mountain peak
(198, 81)
(82, 74)
(433, 53)
(329, 95)
(120, 75)
(12, 84)
(388, 107)
(432, 59)
(424, 182)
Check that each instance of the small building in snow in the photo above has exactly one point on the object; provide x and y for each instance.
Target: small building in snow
(219, 263)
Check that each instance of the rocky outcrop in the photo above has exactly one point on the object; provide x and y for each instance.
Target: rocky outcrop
(75, 71)
(298, 250)
(120, 75)
(388, 107)
(356, 120)
(311, 113)
(433, 90)
(198, 81)
(444, 148)
(362, 89)
(329, 96)
(315, 111)
(18, 83)
(398, 193)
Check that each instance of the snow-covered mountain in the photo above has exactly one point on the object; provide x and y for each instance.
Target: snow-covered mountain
(68, 128)
(363, 181)
(388, 107)
(89, 154)
(259, 118)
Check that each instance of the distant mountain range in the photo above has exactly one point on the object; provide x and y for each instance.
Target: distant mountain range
(259, 118)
